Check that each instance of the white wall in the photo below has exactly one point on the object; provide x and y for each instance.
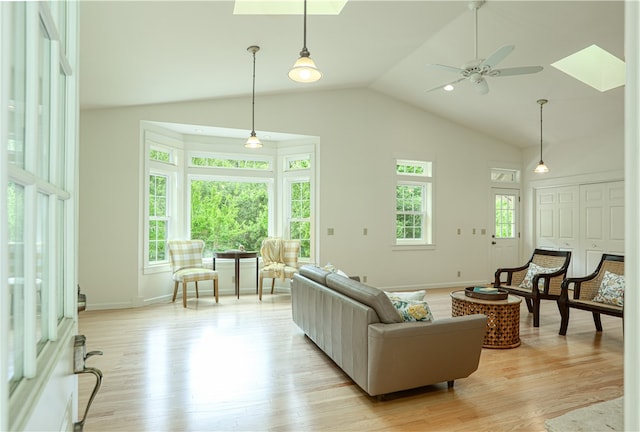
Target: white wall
(361, 133)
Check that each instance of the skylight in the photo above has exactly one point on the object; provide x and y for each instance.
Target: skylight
(287, 7)
(594, 67)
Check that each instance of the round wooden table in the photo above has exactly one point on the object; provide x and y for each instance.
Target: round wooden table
(503, 317)
(237, 255)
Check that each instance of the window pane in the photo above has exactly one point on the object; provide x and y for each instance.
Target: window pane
(61, 261)
(42, 270)
(158, 218)
(44, 105)
(505, 216)
(159, 155)
(228, 214)
(15, 205)
(17, 85)
(229, 163)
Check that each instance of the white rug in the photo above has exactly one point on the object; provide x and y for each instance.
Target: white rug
(600, 417)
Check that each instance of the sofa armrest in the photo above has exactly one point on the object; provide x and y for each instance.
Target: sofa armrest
(408, 355)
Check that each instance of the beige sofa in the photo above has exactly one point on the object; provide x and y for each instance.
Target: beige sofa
(358, 327)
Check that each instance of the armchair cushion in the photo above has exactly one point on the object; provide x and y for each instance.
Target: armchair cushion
(611, 290)
(533, 270)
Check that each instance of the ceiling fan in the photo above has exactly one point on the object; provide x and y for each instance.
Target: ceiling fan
(476, 70)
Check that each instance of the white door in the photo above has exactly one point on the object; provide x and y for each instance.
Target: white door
(557, 221)
(505, 238)
(38, 224)
(602, 221)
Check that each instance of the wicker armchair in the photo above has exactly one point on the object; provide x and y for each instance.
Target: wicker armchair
(544, 285)
(584, 291)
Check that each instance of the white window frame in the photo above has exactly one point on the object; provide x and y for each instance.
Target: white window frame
(172, 170)
(424, 180)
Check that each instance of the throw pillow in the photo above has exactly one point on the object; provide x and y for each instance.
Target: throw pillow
(533, 270)
(412, 310)
(413, 295)
(611, 290)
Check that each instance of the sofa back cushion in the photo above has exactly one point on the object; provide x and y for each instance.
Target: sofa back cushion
(365, 294)
(314, 273)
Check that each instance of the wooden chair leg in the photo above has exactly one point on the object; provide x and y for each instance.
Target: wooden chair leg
(597, 321)
(273, 284)
(260, 289)
(184, 294)
(175, 291)
(536, 312)
(197, 293)
(529, 304)
(215, 289)
(564, 316)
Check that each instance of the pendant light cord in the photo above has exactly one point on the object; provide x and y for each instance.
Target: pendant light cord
(253, 97)
(305, 51)
(541, 131)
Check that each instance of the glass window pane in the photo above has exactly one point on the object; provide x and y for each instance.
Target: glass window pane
(44, 104)
(228, 214)
(15, 205)
(42, 270)
(61, 261)
(17, 85)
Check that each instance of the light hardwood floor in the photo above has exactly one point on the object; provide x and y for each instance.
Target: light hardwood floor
(243, 365)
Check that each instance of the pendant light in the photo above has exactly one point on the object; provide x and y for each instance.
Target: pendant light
(253, 142)
(541, 168)
(304, 69)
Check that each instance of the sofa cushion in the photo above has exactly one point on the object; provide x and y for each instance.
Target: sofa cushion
(368, 295)
(314, 273)
(412, 310)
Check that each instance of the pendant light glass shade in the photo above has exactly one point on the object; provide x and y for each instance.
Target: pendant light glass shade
(253, 142)
(541, 168)
(304, 69)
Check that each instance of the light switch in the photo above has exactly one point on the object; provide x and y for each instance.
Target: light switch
(329, 231)
(364, 231)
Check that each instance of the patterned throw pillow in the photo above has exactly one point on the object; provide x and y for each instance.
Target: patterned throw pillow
(533, 270)
(412, 310)
(611, 290)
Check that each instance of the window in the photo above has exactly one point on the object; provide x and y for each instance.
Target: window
(227, 214)
(505, 216)
(414, 222)
(161, 196)
(224, 194)
(158, 217)
(505, 175)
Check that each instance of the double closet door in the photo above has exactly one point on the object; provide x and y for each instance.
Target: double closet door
(586, 219)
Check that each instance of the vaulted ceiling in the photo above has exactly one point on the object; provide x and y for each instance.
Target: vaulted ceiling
(147, 52)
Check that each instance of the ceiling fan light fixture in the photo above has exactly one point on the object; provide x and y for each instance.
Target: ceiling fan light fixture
(253, 142)
(541, 168)
(304, 70)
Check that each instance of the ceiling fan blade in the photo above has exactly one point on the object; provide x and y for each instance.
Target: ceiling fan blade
(449, 68)
(481, 86)
(440, 87)
(497, 56)
(516, 71)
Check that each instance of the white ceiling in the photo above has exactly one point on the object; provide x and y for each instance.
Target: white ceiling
(148, 52)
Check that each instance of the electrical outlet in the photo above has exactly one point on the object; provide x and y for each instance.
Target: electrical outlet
(474, 231)
(459, 231)
(364, 231)
(364, 278)
(459, 273)
(483, 231)
(329, 231)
